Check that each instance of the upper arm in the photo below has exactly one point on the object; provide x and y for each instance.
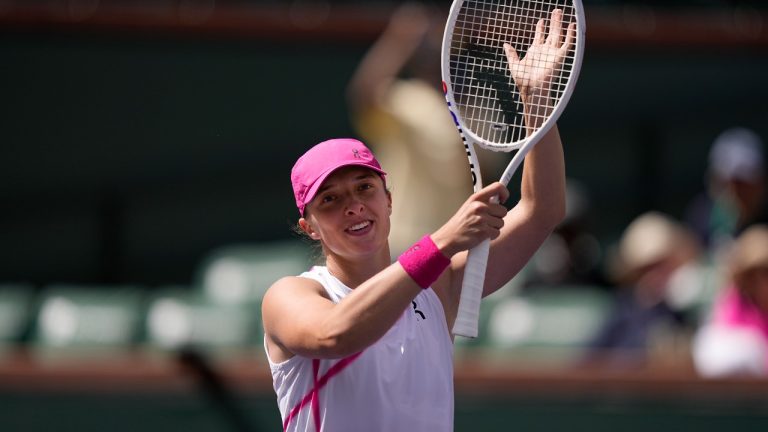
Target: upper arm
(292, 311)
(540, 209)
(521, 237)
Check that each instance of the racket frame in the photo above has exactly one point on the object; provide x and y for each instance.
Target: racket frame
(468, 314)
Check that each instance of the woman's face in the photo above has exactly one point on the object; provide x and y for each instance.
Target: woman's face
(350, 213)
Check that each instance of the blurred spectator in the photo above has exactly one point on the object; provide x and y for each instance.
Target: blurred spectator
(652, 249)
(397, 109)
(736, 193)
(735, 341)
(571, 255)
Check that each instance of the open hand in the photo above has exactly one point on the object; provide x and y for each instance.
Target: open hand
(533, 73)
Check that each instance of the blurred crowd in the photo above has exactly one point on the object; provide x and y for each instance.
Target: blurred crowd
(692, 287)
(699, 281)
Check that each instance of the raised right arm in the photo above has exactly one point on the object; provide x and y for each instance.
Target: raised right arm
(299, 318)
(388, 56)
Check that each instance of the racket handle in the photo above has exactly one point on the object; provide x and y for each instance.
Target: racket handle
(468, 315)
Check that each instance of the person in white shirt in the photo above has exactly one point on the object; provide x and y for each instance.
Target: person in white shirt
(362, 343)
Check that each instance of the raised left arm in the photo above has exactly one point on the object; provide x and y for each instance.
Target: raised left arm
(542, 204)
(540, 209)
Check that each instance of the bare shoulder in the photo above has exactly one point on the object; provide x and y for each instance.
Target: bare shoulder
(292, 288)
(289, 296)
(286, 309)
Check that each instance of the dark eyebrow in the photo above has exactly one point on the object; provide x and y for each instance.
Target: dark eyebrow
(362, 176)
(323, 188)
(365, 175)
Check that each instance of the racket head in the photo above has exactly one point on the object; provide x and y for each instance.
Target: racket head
(477, 82)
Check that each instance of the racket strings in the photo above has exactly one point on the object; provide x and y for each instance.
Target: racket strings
(484, 91)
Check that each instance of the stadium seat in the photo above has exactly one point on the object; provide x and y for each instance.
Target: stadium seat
(81, 320)
(16, 302)
(242, 273)
(181, 318)
(483, 341)
(558, 321)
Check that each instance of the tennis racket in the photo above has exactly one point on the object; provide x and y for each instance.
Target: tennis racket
(508, 68)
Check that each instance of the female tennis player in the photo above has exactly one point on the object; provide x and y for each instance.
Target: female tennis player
(364, 344)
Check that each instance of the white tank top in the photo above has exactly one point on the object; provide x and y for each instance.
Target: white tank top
(403, 382)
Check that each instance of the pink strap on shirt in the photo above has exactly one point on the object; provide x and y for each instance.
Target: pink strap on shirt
(313, 397)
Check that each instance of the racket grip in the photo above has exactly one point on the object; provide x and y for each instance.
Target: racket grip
(468, 315)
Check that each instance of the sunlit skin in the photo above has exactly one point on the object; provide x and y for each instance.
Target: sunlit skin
(350, 214)
(350, 219)
(534, 71)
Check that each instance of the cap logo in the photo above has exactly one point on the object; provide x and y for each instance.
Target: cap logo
(356, 153)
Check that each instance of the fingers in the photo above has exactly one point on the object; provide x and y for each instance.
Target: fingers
(410, 21)
(555, 28)
(494, 220)
(485, 221)
(553, 38)
(493, 190)
(412, 14)
(511, 53)
(491, 213)
(513, 60)
(569, 37)
(503, 192)
(538, 37)
(478, 219)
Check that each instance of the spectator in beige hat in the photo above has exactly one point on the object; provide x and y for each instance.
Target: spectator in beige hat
(651, 250)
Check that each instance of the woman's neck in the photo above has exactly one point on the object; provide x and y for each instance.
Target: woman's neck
(355, 270)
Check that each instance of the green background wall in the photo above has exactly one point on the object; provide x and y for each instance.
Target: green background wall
(126, 157)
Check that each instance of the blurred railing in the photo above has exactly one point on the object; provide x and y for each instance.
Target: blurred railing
(616, 25)
(157, 393)
(249, 372)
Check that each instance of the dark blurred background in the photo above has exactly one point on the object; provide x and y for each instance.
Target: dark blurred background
(142, 141)
(138, 136)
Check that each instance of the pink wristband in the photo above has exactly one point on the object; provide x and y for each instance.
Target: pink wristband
(424, 262)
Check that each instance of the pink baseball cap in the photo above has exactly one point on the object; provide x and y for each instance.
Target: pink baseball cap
(314, 166)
